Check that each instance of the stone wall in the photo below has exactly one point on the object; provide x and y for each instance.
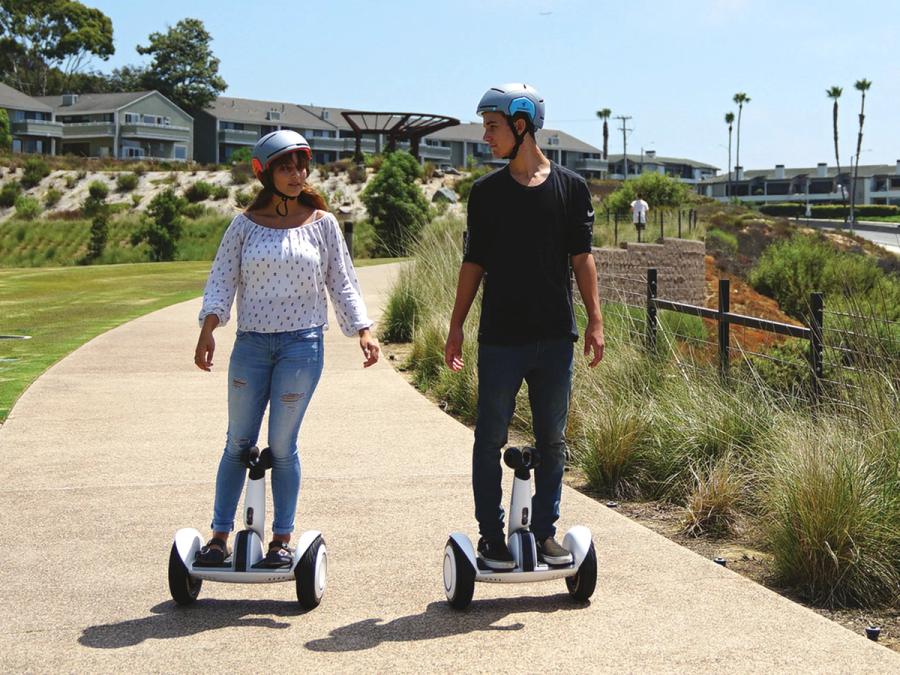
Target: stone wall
(681, 273)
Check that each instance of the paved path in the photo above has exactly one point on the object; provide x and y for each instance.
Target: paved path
(115, 448)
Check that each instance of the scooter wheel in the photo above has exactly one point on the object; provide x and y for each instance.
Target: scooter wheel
(311, 574)
(459, 576)
(183, 587)
(581, 586)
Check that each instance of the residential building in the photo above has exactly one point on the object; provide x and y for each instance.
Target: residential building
(33, 127)
(878, 184)
(685, 170)
(131, 125)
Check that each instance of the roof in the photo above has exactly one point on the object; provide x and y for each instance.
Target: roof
(15, 99)
(472, 132)
(659, 159)
(801, 172)
(95, 103)
(254, 111)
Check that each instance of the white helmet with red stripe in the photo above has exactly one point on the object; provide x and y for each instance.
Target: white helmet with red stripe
(275, 144)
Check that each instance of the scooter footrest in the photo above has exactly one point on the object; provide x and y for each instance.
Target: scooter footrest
(200, 563)
(484, 567)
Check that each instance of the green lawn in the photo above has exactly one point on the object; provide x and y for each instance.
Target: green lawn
(61, 308)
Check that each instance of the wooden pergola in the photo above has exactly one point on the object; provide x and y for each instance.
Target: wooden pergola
(397, 126)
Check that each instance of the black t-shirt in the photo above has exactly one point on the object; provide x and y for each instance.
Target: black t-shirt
(523, 237)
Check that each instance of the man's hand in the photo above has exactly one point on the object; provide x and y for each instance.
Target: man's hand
(594, 341)
(453, 349)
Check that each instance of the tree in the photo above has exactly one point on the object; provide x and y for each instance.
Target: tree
(37, 36)
(834, 94)
(740, 99)
(183, 67)
(397, 208)
(5, 135)
(862, 86)
(729, 120)
(97, 209)
(162, 226)
(604, 115)
(656, 189)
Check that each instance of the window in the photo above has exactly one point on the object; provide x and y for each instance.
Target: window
(132, 118)
(273, 116)
(553, 140)
(17, 145)
(18, 115)
(167, 121)
(180, 152)
(236, 126)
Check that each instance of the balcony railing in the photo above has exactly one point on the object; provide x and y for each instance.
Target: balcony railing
(238, 136)
(44, 128)
(88, 129)
(156, 131)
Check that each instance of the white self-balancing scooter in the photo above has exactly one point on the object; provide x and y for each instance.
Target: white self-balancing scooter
(308, 569)
(462, 568)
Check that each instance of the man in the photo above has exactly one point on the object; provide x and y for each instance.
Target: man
(639, 210)
(526, 223)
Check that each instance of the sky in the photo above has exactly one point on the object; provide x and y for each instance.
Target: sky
(673, 67)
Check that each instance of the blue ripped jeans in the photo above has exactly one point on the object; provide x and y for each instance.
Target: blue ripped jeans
(284, 369)
(546, 366)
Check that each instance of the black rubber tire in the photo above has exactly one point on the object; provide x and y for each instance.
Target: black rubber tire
(581, 586)
(459, 595)
(183, 587)
(305, 575)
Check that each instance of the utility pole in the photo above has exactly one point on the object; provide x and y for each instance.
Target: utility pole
(624, 119)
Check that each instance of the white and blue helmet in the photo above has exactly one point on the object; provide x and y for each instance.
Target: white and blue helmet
(513, 98)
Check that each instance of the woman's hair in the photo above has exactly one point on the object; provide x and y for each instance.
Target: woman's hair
(308, 194)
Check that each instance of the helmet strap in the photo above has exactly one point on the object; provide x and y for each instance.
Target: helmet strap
(519, 138)
(281, 208)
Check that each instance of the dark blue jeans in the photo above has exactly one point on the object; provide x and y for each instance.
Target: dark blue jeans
(547, 368)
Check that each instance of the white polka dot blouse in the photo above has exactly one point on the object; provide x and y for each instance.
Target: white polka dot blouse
(280, 277)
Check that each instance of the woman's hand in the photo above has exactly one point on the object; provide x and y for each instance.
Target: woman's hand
(206, 346)
(370, 348)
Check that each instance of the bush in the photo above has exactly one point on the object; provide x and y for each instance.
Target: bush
(98, 189)
(9, 192)
(71, 181)
(242, 155)
(243, 198)
(657, 190)
(357, 174)
(220, 192)
(198, 192)
(36, 170)
(713, 503)
(789, 271)
(241, 174)
(126, 182)
(194, 211)
(162, 226)
(830, 211)
(723, 241)
(784, 210)
(27, 208)
(395, 202)
(52, 197)
(402, 308)
(136, 200)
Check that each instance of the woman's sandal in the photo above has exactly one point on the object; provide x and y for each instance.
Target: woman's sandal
(213, 553)
(279, 555)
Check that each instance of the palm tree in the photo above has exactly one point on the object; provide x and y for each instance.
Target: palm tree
(729, 120)
(604, 115)
(834, 94)
(740, 99)
(861, 86)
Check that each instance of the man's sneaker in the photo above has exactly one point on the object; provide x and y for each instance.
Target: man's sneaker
(495, 554)
(552, 553)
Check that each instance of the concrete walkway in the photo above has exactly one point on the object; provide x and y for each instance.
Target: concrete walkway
(116, 447)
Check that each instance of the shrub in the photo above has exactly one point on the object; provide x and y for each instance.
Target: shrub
(427, 171)
(240, 173)
(713, 503)
(162, 225)
(243, 198)
(723, 241)
(402, 307)
(357, 174)
(220, 192)
(9, 192)
(463, 186)
(52, 197)
(136, 199)
(610, 452)
(242, 155)
(194, 211)
(198, 192)
(395, 202)
(657, 190)
(784, 210)
(71, 180)
(35, 171)
(27, 208)
(98, 189)
(126, 182)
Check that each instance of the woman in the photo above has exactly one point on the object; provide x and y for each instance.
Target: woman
(278, 257)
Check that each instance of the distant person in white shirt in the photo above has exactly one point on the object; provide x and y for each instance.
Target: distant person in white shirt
(639, 210)
(278, 258)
